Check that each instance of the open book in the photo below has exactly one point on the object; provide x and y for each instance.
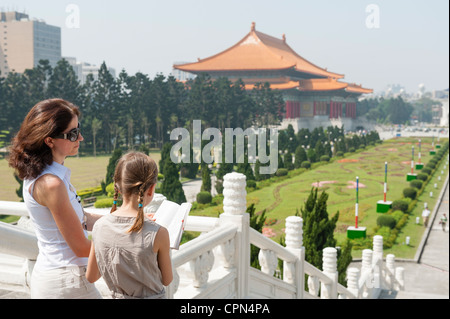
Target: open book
(173, 217)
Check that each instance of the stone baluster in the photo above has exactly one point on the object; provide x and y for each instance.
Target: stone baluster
(225, 253)
(293, 272)
(353, 281)
(399, 275)
(390, 275)
(313, 285)
(268, 261)
(366, 268)
(234, 207)
(198, 269)
(377, 247)
(329, 263)
(377, 258)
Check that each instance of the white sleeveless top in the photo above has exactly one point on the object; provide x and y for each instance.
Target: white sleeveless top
(54, 252)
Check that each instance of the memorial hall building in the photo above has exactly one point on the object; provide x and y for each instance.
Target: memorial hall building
(313, 95)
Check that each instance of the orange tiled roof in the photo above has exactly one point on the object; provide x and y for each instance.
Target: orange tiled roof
(257, 51)
(311, 85)
(353, 88)
(321, 85)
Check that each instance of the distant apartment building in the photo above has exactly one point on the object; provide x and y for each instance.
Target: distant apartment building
(25, 41)
(83, 69)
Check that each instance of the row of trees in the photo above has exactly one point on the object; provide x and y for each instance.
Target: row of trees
(134, 110)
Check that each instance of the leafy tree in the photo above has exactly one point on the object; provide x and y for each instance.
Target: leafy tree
(109, 178)
(206, 179)
(317, 227)
(300, 156)
(63, 83)
(256, 222)
(171, 186)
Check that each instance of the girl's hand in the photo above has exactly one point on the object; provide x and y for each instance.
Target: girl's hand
(150, 216)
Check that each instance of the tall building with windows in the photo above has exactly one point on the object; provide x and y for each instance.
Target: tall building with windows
(25, 41)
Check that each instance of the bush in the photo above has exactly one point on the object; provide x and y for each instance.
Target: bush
(324, 158)
(89, 192)
(104, 203)
(280, 172)
(426, 170)
(400, 204)
(430, 165)
(351, 149)
(339, 153)
(306, 164)
(204, 198)
(422, 177)
(417, 183)
(410, 192)
(386, 220)
(397, 215)
(252, 183)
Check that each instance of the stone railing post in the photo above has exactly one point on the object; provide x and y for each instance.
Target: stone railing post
(399, 275)
(329, 264)
(294, 274)
(377, 258)
(353, 281)
(234, 214)
(366, 268)
(390, 276)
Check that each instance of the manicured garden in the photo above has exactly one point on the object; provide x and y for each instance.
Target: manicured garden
(282, 197)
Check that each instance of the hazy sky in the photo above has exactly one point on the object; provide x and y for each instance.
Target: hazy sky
(374, 43)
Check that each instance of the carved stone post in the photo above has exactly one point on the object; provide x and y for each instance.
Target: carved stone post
(294, 274)
(399, 275)
(329, 263)
(390, 265)
(377, 258)
(353, 281)
(234, 207)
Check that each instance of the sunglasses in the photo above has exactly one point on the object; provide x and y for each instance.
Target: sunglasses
(72, 135)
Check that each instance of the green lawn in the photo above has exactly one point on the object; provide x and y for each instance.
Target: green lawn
(86, 172)
(282, 199)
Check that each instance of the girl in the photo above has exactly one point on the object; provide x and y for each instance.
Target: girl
(49, 133)
(130, 251)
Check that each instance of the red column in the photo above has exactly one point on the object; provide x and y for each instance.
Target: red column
(331, 109)
(288, 109)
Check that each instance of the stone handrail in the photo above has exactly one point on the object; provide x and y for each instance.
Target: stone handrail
(216, 264)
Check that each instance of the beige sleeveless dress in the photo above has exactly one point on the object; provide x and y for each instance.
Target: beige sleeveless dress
(126, 261)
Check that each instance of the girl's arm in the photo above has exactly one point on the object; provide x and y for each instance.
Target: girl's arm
(92, 272)
(161, 246)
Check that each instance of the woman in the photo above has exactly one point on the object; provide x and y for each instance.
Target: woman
(130, 251)
(50, 133)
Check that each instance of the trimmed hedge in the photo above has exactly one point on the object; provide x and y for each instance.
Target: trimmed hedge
(386, 220)
(204, 198)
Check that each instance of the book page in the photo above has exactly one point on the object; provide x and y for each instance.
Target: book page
(173, 217)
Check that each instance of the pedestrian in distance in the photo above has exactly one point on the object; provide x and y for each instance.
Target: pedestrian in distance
(49, 133)
(129, 250)
(425, 216)
(443, 221)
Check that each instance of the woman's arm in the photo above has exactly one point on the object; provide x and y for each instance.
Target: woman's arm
(91, 219)
(51, 192)
(161, 245)
(92, 272)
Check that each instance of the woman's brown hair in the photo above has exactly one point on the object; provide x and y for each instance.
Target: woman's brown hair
(29, 154)
(135, 173)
